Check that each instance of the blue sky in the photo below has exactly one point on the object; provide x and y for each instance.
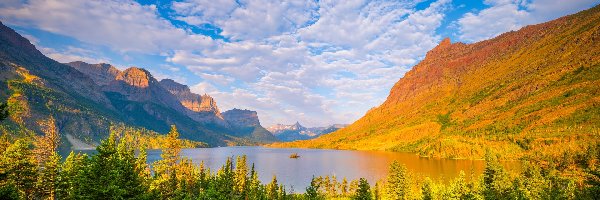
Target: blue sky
(316, 62)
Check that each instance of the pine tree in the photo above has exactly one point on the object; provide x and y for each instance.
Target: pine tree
(3, 111)
(19, 168)
(312, 191)
(272, 188)
(397, 186)
(428, 190)
(241, 176)
(255, 188)
(344, 187)
(166, 180)
(364, 191)
(69, 176)
(495, 179)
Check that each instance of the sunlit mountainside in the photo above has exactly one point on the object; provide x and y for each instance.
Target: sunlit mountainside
(534, 89)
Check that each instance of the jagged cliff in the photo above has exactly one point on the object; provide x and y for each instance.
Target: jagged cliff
(520, 92)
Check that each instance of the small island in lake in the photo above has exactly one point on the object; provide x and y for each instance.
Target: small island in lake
(295, 156)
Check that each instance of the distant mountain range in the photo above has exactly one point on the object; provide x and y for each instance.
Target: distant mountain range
(85, 99)
(531, 90)
(298, 132)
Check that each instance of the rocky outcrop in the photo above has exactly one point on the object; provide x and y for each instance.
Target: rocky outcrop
(241, 118)
(101, 73)
(202, 108)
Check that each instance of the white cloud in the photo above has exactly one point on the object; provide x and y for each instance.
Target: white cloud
(248, 19)
(72, 54)
(120, 24)
(507, 15)
(328, 72)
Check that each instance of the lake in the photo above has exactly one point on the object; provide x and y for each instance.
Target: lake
(296, 174)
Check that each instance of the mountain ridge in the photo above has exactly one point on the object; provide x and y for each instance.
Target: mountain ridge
(503, 94)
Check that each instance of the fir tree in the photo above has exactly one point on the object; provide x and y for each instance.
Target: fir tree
(364, 191)
(3, 111)
(19, 168)
(272, 189)
(312, 191)
(397, 186)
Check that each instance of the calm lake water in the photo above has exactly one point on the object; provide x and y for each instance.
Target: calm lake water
(296, 174)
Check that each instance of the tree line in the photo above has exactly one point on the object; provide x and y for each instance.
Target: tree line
(31, 168)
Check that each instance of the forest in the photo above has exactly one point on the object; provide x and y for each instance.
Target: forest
(32, 168)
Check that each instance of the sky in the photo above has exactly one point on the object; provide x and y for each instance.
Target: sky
(315, 62)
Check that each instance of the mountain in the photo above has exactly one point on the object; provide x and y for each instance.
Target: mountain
(245, 124)
(200, 108)
(85, 99)
(298, 132)
(523, 91)
(138, 85)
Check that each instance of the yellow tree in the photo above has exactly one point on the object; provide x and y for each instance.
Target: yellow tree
(47, 158)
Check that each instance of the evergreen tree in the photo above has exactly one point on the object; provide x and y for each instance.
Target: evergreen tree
(397, 186)
(344, 187)
(241, 176)
(69, 176)
(495, 179)
(364, 191)
(312, 191)
(19, 169)
(255, 189)
(3, 111)
(272, 188)
(165, 178)
(428, 190)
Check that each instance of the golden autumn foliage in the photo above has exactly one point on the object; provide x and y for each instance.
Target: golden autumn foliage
(532, 90)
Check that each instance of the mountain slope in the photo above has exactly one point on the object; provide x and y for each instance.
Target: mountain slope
(85, 105)
(533, 89)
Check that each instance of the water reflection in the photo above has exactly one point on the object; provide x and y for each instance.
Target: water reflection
(297, 173)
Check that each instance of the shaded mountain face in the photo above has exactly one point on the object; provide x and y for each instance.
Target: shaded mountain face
(298, 132)
(514, 94)
(245, 123)
(102, 73)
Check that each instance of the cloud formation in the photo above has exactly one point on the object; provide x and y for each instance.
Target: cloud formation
(317, 62)
(507, 15)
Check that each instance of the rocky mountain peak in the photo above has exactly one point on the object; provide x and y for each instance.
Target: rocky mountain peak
(208, 104)
(136, 77)
(102, 73)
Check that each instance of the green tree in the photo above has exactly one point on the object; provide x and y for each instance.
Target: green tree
(495, 180)
(364, 190)
(18, 168)
(272, 188)
(428, 190)
(71, 176)
(241, 176)
(397, 186)
(255, 190)
(312, 191)
(3, 111)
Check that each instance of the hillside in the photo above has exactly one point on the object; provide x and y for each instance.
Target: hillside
(86, 99)
(531, 90)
